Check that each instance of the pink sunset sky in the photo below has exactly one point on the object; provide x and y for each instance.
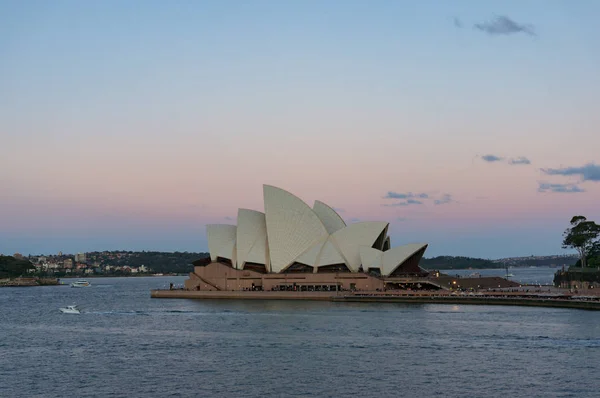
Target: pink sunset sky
(136, 137)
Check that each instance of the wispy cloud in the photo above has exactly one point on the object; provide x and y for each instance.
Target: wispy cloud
(407, 195)
(519, 160)
(415, 199)
(588, 172)
(491, 158)
(446, 198)
(561, 188)
(407, 202)
(503, 25)
(457, 23)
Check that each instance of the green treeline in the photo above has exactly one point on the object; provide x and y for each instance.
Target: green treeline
(11, 267)
(158, 262)
(451, 262)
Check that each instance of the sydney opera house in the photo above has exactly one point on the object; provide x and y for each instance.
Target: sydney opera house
(294, 247)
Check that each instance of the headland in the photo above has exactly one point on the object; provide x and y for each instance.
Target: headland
(26, 282)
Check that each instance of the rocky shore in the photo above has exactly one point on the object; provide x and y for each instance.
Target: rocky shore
(25, 282)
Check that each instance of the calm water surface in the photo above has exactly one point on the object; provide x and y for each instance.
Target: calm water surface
(128, 345)
(536, 275)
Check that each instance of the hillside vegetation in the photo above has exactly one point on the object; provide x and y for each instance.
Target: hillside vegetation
(161, 262)
(451, 262)
(460, 262)
(11, 267)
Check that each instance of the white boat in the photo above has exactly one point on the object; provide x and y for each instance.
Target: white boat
(80, 283)
(70, 309)
(509, 275)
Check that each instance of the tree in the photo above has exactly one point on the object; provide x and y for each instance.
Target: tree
(581, 236)
(11, 267)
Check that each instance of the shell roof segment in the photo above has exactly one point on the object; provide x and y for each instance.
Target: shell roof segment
(292, 227)
(328, 216)
(221, 240)
(290, 231)
(251, 238)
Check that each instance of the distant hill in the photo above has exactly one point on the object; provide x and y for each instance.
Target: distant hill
(459, 262)
(539, 261)
(181, 262)
(11, 267)
(162, 262)
(452, 262)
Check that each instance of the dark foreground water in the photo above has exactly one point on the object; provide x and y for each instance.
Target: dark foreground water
(128, 345)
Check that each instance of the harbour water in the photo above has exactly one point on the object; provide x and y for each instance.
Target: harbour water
(525, 275)
(126, 344)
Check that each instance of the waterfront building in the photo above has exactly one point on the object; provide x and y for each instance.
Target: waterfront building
(292, 246)
(80, 258)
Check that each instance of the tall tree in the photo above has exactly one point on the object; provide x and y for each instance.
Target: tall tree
(581, 236)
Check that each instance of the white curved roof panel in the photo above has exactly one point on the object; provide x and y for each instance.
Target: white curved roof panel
(371, 258)
(393, 258)
(330, 254)
(329, 217)
(292, 227)
(221, 240)
(310, 256)
(251, 239)
(349, 240)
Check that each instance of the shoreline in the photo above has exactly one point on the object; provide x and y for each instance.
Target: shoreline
(500, 298)
(29, 282)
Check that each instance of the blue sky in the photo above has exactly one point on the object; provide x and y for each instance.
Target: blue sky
(132, 125)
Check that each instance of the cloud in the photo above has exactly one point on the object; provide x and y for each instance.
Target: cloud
(519, 160)
(588, 172)
(503, 25)
(446, 198)
(407, 202)
(562, 188)
(457, 23)
(408, 195)
(491, 158)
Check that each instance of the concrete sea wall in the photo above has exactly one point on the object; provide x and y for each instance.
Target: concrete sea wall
(532, 300)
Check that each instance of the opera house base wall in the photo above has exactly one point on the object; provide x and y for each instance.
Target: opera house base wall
(219, 277)
(243, 295)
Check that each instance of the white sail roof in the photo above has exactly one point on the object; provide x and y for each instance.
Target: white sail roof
(292, 227)
(251, 238)
(329, 217)
(290, 231)
(221, 240)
